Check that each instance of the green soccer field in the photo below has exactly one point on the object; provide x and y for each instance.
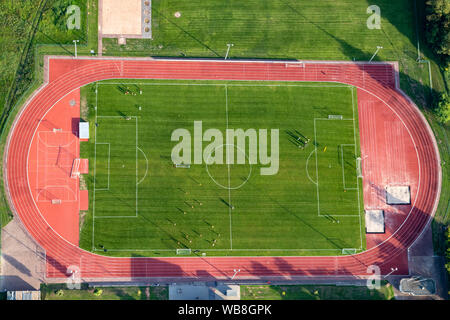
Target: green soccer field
(141, 204)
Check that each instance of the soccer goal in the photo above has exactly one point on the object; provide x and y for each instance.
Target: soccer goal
(183, 251)
(186, 166)
(335, 117)
(347, 251)
(358, 167)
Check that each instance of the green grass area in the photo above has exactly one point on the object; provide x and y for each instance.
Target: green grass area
(143, 204)
(24, 45)
(60, 292)
(20, 32)
(316, 292)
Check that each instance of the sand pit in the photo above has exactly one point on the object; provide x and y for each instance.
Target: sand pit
(122, 17)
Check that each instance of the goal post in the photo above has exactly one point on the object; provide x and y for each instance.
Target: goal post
(75, 168)
(293, 64)
(183, 251)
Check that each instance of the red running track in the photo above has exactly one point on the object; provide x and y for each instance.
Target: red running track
(376, 82)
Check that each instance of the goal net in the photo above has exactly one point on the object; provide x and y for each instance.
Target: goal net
(295, 65)
(358, 167)
(184, 251)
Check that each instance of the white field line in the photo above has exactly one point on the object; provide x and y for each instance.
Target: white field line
(40, 140)
(74, 195)
(51, 132)
(229, 198)
(109, 157)
(113, 217)
(317, 170)
(229, 182)
(136, 163)
(227, 250)
(47, 58)
(95, 161)
(146, 166)
(228, 84)
(352, 89)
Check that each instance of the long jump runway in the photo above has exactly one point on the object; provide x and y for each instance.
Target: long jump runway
(396, 145)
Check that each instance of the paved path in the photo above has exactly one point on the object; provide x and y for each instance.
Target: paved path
(22, 260)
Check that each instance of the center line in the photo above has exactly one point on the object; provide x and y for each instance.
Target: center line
(228, 165)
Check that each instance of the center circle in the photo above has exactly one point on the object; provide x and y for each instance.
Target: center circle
(227, 167)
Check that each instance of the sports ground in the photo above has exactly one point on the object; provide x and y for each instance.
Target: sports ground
(313, 202)
(141, 202)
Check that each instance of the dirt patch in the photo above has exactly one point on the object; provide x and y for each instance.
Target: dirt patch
(82, 219)
(22, 259)
(84, 110)
(158, 293)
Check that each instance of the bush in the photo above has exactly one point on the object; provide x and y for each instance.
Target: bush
(59, 292)
(98, 292)
(438, 27)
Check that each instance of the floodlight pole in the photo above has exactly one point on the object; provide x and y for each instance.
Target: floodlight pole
(392, 271)
(378, 49)
(229, 45)
(235, 273)
(75, 43)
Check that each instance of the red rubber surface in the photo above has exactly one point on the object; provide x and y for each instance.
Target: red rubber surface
(394, 137)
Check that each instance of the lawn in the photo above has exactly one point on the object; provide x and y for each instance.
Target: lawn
(24, 43)
(61, 292)
(288, 29)
(140, 203)
(316, 292)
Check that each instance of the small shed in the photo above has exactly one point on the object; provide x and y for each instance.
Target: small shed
(83, 131)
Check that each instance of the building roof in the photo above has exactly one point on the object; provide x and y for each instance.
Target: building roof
(84, 130)
(374, 221)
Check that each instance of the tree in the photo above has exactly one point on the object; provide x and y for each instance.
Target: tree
(442, 108)
(438, 27)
